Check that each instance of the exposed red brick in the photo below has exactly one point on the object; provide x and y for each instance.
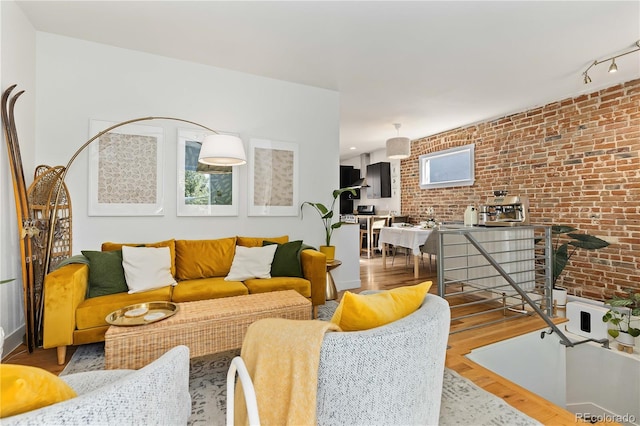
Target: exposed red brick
(578, 161)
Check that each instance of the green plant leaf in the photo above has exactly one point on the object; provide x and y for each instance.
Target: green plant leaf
(7, 281)
(561, 229)
(613, 333)
(588, 242)
(635, 332)
(619, 302)
(321, 208)
(560, 259)
(338, 192)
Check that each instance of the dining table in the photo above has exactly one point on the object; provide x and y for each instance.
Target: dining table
(411, 237)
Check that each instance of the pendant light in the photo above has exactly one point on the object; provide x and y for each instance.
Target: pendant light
(398, 148)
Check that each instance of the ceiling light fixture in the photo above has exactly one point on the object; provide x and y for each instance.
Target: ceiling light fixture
(398, 148)
(613, 67)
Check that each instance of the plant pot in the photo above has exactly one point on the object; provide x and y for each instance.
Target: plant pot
(625, 339)
(559, 297)
(329, 251)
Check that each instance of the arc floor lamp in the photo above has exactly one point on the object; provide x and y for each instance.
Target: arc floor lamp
(216, 150)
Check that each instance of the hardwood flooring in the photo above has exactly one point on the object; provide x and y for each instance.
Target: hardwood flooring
(373, 276)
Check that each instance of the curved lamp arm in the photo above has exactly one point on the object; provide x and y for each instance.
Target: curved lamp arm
(63, 173)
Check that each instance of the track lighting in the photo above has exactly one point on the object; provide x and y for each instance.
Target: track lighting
(613, 67)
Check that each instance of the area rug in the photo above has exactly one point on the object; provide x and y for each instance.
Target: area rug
(463, 403)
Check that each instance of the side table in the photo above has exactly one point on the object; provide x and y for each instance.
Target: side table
(332, 293)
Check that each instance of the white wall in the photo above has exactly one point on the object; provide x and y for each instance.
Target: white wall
(78, 81)
(17, 66)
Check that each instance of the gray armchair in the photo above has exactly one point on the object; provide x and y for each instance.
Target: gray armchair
(156, 394)
(387, 375)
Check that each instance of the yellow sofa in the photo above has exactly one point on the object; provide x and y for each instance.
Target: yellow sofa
(199, 267)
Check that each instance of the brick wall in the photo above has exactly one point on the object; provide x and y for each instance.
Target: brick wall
(578, 162)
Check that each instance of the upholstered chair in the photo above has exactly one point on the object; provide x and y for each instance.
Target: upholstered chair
(158, 393)
(388, 375)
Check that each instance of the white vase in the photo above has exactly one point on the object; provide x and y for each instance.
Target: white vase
(559, 296)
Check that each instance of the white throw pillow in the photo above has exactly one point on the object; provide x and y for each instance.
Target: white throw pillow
(147, 268)
(251, 262)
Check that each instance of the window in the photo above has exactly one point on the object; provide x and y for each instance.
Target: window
(451, 167)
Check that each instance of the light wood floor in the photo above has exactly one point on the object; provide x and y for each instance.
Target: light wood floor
(373, 276)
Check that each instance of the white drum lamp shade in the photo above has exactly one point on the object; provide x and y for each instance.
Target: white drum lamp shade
(398, 148)
(222, 150)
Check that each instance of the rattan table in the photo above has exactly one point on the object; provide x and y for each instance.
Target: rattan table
(206, 327)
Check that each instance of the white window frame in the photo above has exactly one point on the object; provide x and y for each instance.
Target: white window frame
(459, 162)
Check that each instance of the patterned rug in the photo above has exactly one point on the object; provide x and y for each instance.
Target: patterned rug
(463, 403)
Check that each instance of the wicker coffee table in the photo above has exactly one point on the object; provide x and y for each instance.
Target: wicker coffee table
(206, 327)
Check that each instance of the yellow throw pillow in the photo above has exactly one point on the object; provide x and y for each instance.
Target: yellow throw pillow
(197, 259)
(257, 241)
(24, 388)
(364, 311)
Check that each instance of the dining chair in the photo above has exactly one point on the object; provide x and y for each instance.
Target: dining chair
(430, 247)
(376, 225)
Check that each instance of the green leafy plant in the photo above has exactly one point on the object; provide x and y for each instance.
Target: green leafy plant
(7, 281)
(563, 252)
(622, 320)
(326, 214)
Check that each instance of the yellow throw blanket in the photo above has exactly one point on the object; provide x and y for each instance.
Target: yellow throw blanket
(282, 357)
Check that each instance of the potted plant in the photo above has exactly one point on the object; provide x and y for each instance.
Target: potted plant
(326, 214)
(562, 253)
(620, 319)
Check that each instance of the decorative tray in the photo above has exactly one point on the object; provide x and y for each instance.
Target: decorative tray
(142, 313)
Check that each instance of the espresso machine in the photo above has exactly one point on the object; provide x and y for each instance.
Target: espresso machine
(504, 210)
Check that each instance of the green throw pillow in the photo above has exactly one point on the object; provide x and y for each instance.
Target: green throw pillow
(106, 274)
(286, 262)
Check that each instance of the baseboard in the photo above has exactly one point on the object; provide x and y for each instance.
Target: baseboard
(347, 285)
(12, 341)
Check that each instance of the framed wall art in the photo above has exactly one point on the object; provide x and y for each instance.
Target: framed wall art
(273, 178)
(203, 190)
(126, 171)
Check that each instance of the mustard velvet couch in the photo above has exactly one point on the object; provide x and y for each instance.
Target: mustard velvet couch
(199, 267)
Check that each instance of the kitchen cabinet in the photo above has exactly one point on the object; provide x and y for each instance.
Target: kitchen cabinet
(379, 180)
(348, 175)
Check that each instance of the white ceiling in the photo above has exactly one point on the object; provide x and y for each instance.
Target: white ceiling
(429, 65)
